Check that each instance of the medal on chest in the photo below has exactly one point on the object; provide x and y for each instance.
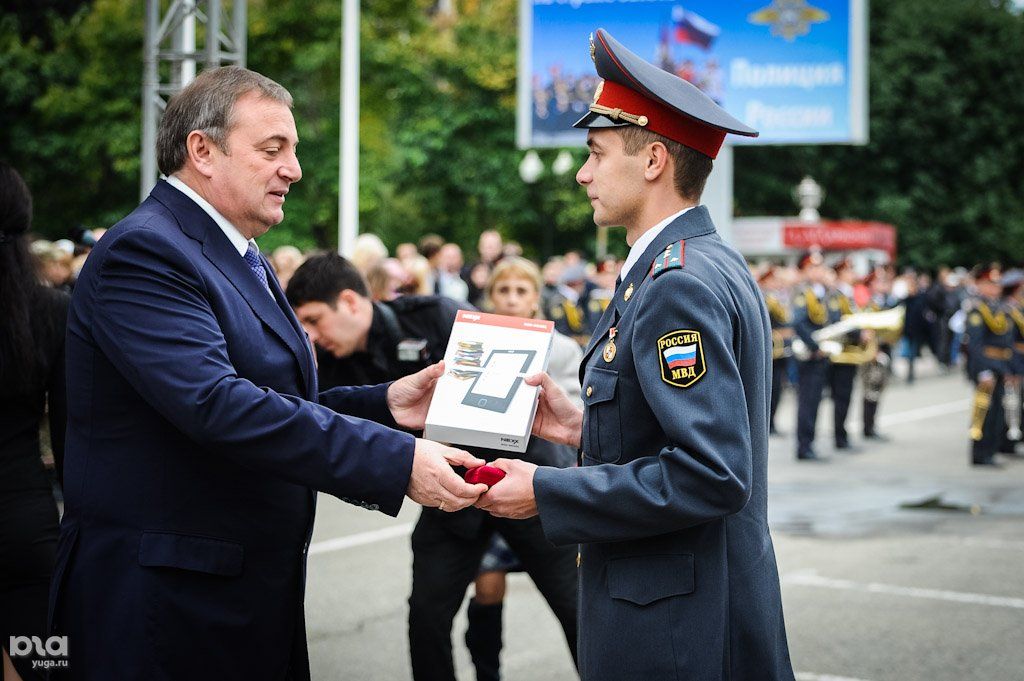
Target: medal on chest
(609, 347)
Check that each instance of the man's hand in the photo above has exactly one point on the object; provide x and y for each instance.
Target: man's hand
(434, 483)
(558, 419)
(409, 397)
(512, 496)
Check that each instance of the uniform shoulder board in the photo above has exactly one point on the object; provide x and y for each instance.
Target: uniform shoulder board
(672, 258)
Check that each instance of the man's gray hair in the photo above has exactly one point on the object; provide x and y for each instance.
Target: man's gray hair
(207, 104)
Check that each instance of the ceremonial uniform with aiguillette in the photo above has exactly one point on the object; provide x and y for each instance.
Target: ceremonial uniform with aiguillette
(782, 338)
(669, 506)
(1011, 402)
(842, 368)
(989, 356)
(811, 311)
(875, 373)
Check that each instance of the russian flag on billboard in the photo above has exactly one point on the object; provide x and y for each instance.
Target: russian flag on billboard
(693, 28)
(680, 356)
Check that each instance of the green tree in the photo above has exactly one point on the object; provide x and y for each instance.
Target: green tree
(69, 114)
(945, 161)
(438, 115)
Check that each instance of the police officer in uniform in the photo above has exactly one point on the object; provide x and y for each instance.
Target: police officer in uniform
(811, 311)
(677, 571)
(782, 339)
(568, 307)
(842, 367)
(989, 357)
(364, 342)
(1012, 282)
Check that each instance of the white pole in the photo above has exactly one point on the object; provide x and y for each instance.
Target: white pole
(150, 82)
(718, 193)
(348, 167)
(188, 44)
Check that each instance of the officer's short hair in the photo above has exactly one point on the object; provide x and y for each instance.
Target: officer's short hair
(207, 104)
(691, 167)
(321, 278)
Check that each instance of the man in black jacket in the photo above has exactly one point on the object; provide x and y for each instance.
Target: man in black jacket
(364, 342)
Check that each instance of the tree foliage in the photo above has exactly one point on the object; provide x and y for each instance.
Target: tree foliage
(944, 162)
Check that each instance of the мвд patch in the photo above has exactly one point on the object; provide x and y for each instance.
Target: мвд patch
(682, 358)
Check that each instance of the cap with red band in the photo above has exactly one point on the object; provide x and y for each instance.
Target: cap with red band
(635, 92)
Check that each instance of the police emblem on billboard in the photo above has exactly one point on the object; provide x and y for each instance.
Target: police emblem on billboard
(682, 358)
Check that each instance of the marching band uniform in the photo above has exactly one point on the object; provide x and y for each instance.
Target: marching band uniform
(810, 313)
(875, 374)
(990, 353)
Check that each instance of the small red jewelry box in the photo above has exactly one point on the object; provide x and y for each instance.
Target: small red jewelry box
(488, 475)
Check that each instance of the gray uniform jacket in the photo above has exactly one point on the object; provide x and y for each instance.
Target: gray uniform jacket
(677, 570)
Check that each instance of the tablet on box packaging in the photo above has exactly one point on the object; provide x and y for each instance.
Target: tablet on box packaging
(482, 400)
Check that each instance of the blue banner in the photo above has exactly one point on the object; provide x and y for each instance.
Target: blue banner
(795, 70)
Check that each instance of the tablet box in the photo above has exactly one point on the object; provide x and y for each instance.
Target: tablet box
(481, 400)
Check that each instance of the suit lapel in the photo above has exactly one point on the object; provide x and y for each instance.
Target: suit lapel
(307, 362)
(195, 222)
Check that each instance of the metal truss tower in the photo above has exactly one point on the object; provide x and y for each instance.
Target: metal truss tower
(170, 57)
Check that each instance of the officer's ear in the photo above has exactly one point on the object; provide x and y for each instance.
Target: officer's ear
(656, 161)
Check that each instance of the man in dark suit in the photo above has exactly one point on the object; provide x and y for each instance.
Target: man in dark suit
(197, 436)
(677, 572)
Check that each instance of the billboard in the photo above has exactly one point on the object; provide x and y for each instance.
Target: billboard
(795, 70)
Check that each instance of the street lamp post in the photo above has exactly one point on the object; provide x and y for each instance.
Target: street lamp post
(531, 168)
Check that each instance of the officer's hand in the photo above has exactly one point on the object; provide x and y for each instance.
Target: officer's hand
(434, 483)
(512, 496)
(409, 397)
(558, 418)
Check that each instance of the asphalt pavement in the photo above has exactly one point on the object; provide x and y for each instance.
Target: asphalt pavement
(898, 563)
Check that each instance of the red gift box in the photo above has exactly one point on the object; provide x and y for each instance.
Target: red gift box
(488, 475)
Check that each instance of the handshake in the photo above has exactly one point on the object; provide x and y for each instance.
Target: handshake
(433, 482)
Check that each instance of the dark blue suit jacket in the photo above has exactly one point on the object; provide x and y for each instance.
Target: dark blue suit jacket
(677, 570)
(196, 439)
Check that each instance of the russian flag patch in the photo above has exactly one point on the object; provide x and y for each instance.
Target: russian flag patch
(682, 358)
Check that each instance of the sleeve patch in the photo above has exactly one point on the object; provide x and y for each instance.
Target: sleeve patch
(681, 356)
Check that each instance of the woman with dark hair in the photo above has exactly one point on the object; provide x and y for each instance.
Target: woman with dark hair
(33, 319)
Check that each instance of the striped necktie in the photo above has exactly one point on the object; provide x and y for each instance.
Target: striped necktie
(252, 257)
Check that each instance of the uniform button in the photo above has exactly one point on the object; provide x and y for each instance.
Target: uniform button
(590, 390)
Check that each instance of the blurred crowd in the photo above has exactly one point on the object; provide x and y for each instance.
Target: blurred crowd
(833, 325)
(576, 290)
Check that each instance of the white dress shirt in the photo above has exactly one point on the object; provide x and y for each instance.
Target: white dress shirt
(240, 243)
(644, 241)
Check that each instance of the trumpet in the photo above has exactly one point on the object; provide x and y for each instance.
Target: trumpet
(890, 321)
(1011, 408)
(803, 353)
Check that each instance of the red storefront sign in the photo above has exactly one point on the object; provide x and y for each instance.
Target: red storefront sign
(840, 235)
